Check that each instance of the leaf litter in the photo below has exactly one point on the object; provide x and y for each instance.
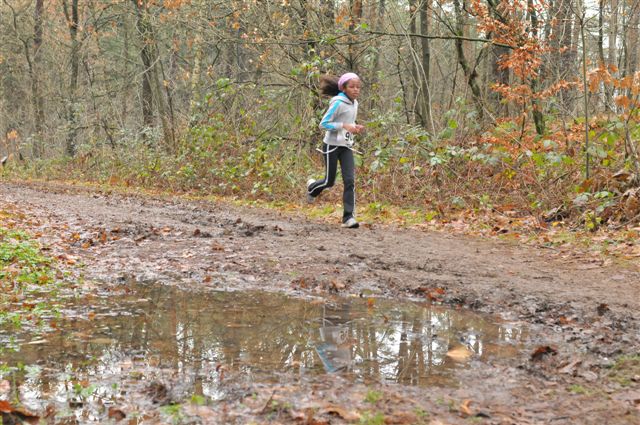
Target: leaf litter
(581, 308)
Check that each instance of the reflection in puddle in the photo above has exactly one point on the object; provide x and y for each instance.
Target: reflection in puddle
(126, 343)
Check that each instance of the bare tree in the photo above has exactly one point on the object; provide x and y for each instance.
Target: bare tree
(425, 90)
(499, 74)
(630, 42)
(563, 57)
(470, 72)
(71, 15)
(152, 92)
(36, 72)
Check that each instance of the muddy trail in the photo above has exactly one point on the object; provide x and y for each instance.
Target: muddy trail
(464, 330)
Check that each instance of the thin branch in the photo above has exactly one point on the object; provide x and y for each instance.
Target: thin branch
(442, 37)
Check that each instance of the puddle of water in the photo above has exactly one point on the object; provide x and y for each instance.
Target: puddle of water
(125, 343)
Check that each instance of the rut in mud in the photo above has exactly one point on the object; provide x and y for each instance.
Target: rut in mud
(578, 362)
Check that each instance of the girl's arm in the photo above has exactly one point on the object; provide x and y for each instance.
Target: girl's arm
(328, 122)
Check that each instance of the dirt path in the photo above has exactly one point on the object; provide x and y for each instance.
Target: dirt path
(587, 315)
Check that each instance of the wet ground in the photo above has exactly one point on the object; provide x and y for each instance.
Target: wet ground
(136, 334)
(209, 313)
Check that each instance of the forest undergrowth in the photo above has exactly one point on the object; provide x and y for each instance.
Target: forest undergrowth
(506, 182)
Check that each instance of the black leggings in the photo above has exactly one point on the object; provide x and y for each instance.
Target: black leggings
(333, 154)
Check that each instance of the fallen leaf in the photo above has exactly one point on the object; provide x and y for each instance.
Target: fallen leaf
(460, 353)
(542, 351)
(335, 285)
(602, 309)
(299, 283)
(464, 407)
(589, 376)
(339, 411)
(571, 367)
(297, 415)
(401, 418)
(116, 414)
(564, 321)
(5, 407)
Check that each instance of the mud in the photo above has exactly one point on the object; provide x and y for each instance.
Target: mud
(582, 366)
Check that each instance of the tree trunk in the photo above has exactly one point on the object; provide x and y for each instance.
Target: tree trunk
(613, 33)
(198, 54)
(601, 32)
(374, 98)
(572, 59)
(425, 104)
(146, 55)
(415, 73)
(560, 42)
(126, 26)
(36, 82)
(538, 116)
(72, 102)
(152, 88)
(403, 86)
(470, 74)
(499, 74)
(354, 22)
(631, 40)
(169, 122)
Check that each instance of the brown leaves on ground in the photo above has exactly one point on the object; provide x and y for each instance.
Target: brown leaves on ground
(116, 414)
(341, 412)
(333, 400)
(542, 352)
(12, 414)
(432, 294)
(465, 407)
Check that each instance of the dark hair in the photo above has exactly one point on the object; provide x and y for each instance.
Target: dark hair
(329, 85)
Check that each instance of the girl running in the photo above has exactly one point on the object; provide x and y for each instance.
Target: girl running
(339, 121)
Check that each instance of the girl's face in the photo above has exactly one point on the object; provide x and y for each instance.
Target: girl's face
(352, 88)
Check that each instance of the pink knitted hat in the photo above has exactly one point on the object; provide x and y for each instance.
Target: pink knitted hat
(344, 78)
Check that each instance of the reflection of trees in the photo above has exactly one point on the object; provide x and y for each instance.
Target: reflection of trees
(411, 360)
(191, 333)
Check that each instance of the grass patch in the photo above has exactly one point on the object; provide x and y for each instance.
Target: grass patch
(578, 389)
(373, 396)
(625, 370)
(30, 281)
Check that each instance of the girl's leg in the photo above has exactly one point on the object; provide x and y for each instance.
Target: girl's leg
(348, 171)
(330, 154)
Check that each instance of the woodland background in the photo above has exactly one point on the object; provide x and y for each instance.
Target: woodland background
(528, 108)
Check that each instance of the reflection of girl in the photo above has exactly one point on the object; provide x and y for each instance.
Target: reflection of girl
(335, 349)
(339, 121)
